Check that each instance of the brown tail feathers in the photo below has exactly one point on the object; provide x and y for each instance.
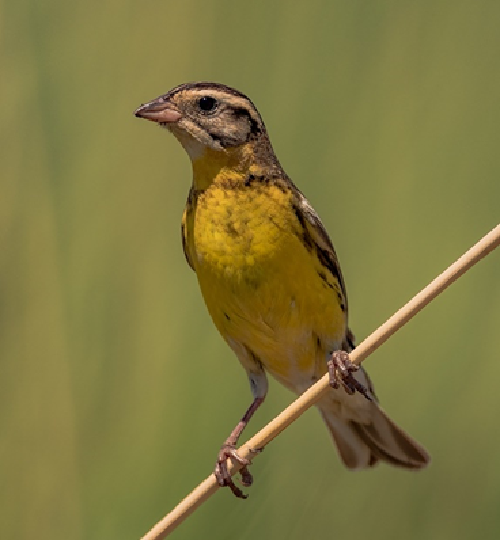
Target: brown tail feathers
(362, 445)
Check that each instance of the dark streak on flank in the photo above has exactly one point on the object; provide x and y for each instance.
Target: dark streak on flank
(304, 236)
(326, 257)
(326, 260)
(322, 275)
(227, 316)
(184, 243)
(350, 340)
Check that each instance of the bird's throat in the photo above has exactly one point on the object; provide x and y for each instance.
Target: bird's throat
(222, 166)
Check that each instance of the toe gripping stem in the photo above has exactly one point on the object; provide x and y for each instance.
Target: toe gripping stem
(341, 370)
(228, 450)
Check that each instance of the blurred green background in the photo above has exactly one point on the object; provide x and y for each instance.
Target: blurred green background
(115, 389)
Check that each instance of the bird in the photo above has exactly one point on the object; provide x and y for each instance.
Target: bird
(270, 276)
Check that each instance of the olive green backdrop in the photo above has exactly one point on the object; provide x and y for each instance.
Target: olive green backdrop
(115, 389)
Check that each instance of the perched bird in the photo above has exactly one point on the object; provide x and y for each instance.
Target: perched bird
(270, 276)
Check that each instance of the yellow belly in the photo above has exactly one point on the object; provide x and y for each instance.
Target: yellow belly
(261, 284)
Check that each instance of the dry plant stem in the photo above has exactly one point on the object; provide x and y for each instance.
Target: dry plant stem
(200, 494)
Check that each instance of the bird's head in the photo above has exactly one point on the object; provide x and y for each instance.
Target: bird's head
(211, 118)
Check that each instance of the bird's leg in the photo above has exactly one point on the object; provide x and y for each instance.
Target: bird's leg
(228, 450)
(340, 369)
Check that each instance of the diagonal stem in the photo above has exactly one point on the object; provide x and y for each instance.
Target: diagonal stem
(209, 486)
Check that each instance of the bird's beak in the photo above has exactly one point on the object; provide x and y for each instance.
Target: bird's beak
(159, 110)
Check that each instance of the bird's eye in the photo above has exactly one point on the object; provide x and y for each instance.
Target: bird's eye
(207, 104)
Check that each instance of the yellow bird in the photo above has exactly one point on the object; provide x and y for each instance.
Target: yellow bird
(270, 276)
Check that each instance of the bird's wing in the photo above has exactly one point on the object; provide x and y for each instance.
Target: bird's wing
(315, 235)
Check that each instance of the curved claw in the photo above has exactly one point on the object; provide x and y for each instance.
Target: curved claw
(222, 472)
(341, 369)
(246, 477)
(228, 450)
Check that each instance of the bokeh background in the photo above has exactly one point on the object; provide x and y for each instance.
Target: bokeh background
(115, 389)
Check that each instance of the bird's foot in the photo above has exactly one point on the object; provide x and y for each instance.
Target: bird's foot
(228, 450)
(341, 370)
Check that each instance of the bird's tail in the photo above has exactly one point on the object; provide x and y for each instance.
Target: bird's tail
(362, 445)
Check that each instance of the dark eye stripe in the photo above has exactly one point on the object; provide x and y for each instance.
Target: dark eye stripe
(254, 125)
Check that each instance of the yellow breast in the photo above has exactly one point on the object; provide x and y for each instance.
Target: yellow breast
(259, 281)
